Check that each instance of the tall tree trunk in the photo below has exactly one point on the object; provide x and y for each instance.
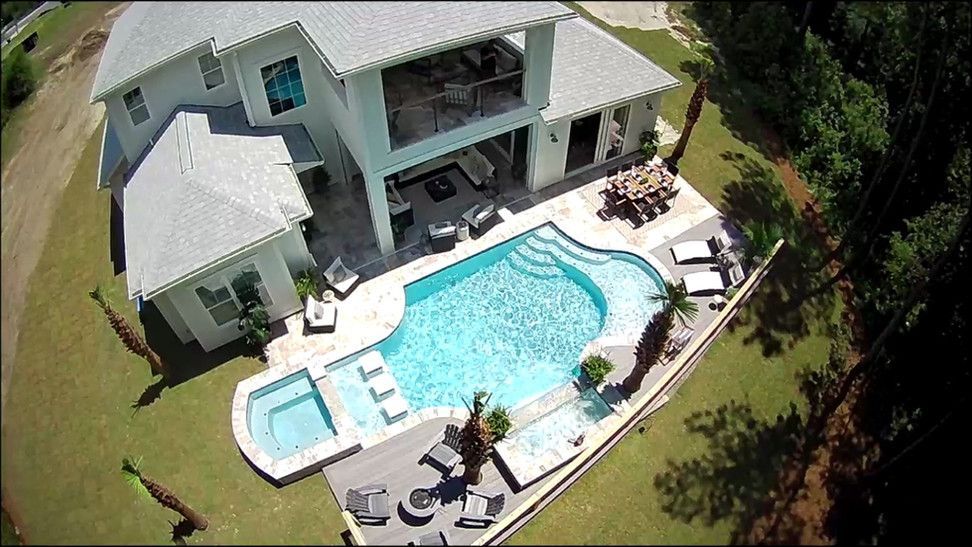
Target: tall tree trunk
(882, 167)
(133, 342)
(692, 115)
(877, 347)
(632, 382)
(871, 238)
(472, 474)
(167, 499)
(805, 22)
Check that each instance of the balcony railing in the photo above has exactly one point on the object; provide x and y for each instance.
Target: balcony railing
(456, 106)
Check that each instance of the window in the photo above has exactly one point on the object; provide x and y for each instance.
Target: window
(250, 276)
(285, 90)
(212, 71)
(219, 303)
(135, 103)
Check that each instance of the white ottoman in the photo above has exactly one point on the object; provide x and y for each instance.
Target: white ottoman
(372, 363)
(394, 408)
(382, 386)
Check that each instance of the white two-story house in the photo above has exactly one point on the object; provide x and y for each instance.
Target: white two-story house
(261, 137)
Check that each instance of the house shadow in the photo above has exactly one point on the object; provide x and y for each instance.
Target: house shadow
(116, 237)
(186, 361)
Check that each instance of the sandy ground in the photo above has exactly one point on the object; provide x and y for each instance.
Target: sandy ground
(641, 15)
(59, 122)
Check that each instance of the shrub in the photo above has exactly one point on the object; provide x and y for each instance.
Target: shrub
(256, 318)
(597, 368)
(499, 422)
(306, 284)
(649, 143)
(17, 81)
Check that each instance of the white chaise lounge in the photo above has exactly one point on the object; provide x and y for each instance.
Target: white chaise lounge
(372, 363)
(394, 407)
(340, 278)
(698, 249)
(320, 316)
(712, 282)
(382, 386)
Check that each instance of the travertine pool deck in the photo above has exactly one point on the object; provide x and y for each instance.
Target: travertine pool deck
(377, 306)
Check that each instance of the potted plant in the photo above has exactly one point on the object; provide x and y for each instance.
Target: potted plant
(649, 144)
(306, 285)
(597, 367)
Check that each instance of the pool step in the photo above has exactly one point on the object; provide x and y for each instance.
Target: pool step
(558, 253)
(525, 266)
(535, 256)
(550, 235)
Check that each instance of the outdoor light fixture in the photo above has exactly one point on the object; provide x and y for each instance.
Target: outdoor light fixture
(648, 105)
(553, 138)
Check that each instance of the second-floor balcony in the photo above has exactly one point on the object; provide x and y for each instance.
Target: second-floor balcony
(452, 89)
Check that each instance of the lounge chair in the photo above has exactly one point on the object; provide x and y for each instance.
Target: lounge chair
(445, 453)
(481, 218)
(439, 537)
(320, 316)
(713, 282)
(340, 278)
(678, 342)
(368, 504)
(698, 249)
(481, 509)
(394, 408)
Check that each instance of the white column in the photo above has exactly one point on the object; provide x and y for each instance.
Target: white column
(380, 218)
(538, 60)
(234, 58)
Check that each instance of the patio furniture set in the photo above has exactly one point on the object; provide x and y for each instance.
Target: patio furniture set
(640, 190)
(382, 386)
(321, 315)
(369, 504)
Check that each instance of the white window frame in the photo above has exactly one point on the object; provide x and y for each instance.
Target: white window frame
(212, 70)
(224, 279)
(213, 285)
(263, 84)
(133, 107)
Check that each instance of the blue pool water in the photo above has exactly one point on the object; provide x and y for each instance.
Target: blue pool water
(558, 427)
(511, 320)
(288, 416)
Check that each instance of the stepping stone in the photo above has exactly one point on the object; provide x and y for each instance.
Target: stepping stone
(382, 386)
(372, 363)
(394, 407)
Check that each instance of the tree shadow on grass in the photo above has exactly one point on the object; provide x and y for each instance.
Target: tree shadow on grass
(740, 467)
(151, 394)
(780, 312)
(181, 530)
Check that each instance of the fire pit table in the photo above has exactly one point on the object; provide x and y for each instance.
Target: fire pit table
(421, 503)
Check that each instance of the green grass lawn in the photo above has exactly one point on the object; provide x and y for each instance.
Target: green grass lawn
(69, 420)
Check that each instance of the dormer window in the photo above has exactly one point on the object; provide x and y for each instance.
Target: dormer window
(285, 90)
(135, 104)
(212, 71)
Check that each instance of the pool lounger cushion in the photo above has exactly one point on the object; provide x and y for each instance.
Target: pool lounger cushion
(701, 249)
(382, 386)
(372, 363)
(394, 407)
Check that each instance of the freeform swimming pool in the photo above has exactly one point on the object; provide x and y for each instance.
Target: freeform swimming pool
(288, 416)
(512, 320)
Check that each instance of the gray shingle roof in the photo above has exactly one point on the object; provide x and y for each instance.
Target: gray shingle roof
(352, 36)
(592, 69)
(208, 187)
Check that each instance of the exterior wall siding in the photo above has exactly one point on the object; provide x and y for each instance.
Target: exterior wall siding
(273, 270)
(175, 83)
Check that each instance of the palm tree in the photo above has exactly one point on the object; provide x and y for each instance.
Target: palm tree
(128, 335)
(650, 348)
(676, 299)
(762, 238)
(146, 487)
(476, 443)
(694, 110)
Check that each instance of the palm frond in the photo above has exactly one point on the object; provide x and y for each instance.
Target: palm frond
(133, 476)
(100, 295)
(677, 299)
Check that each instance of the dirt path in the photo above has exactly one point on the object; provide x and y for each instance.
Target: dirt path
(57, 123)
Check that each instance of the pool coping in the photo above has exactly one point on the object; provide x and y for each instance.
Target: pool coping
(391, 300)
